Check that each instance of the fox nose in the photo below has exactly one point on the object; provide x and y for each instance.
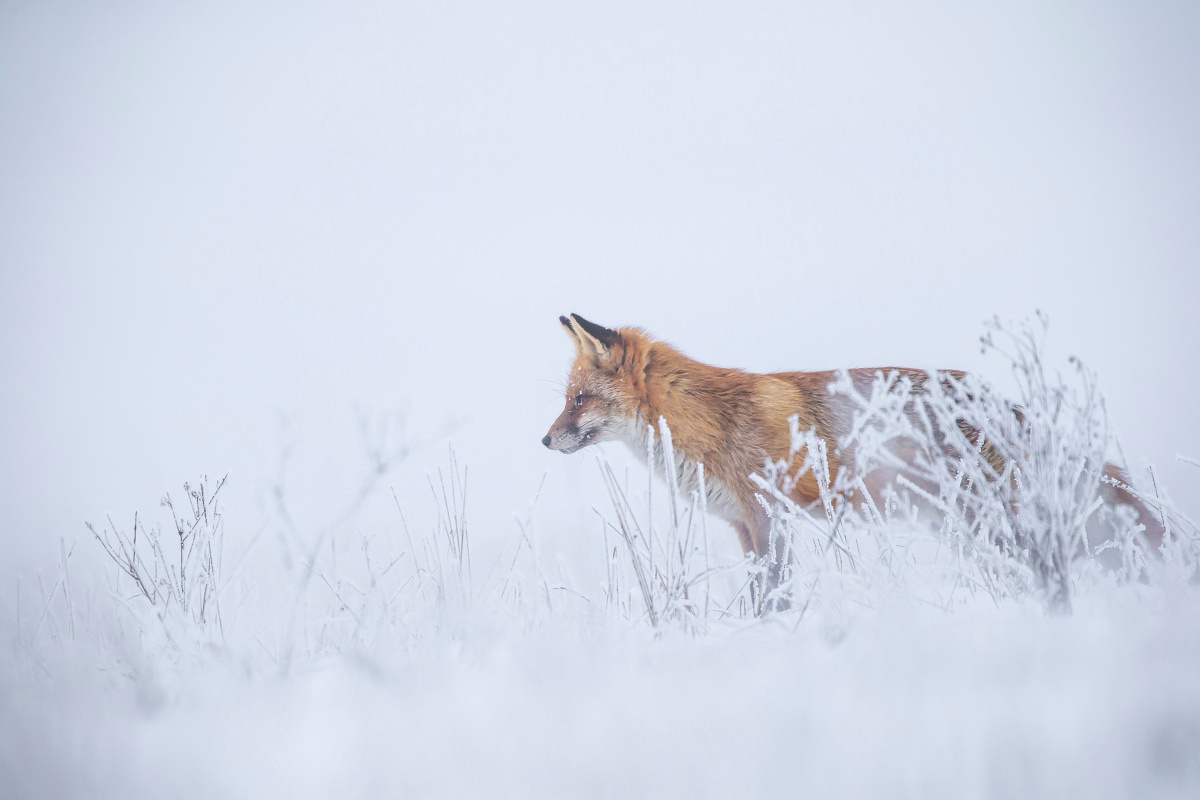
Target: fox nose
(546, 440)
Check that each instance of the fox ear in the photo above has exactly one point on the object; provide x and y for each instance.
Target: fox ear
(570, 329)
(594, 339)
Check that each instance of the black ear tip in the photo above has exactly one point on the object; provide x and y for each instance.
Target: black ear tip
(564, 321)
(605, 335)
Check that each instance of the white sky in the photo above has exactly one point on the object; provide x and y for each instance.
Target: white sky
(218, 217)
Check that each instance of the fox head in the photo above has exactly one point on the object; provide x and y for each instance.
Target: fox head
(601, 402)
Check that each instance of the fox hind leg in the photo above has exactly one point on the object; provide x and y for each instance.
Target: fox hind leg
(769, 568)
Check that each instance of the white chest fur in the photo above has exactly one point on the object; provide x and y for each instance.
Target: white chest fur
(643, 441)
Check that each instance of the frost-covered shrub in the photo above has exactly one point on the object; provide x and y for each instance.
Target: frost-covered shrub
(1016, 483)
(342, 591)
(174, 578)
(668, 560)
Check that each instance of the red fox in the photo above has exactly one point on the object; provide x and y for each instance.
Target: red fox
(731, 421)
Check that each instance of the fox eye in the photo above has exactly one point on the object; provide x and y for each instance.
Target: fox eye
(579, 399)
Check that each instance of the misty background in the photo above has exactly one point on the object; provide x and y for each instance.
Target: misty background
(228, 231)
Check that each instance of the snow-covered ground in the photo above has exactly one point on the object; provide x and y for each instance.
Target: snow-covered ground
(916, 702)
(355, 671)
